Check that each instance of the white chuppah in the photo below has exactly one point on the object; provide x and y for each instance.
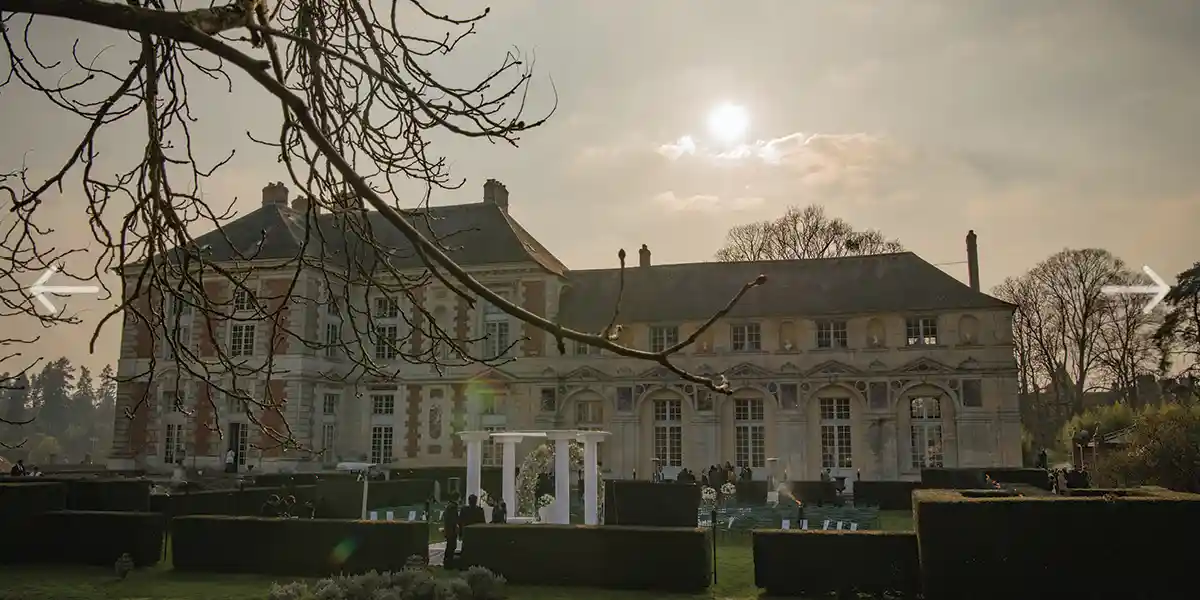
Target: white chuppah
(560, 509)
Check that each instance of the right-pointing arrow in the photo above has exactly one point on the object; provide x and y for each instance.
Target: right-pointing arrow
(1160, 289)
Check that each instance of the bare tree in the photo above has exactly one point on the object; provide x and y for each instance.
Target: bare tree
(358, 102)
(1178, 336)
(802, 233)
(1127, 349)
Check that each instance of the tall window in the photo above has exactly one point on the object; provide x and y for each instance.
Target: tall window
(241, 339)
(925, 416)
(831, 334)
(750, 433)
(589, 413)
(668, 432)
(243, 300)
(167, 401)
(493, 451)
(381, 444)
(582, 349)
(921, 331)
(328, 440)
(747, 337)
(662, 338)
(385, 307)
(179, 326)
(836, 446)
(490, 403)
(383, 404)
(333, 339)
(386, 340)
(173, 447)
(495, 331)
(329, 404)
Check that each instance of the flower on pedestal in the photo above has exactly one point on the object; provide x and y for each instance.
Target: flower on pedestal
(708, 498)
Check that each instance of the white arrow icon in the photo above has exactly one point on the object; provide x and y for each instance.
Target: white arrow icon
(39, 289)
(1159, 289)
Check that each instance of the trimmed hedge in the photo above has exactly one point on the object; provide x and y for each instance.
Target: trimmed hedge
(976, 477)
(751, 492)
(802, 563)
(342, 499)
(672, 559)
(491, 478)
(643, 503)
(887, 495)
(97, 494)
(246, 502)
(98, 538)
(1055, 546)
(295, 547)
(815, 492)
(20, 503)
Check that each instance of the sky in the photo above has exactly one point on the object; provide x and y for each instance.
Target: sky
(1039, 125)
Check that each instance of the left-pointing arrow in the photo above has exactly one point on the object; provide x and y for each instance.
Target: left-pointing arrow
(39, 289)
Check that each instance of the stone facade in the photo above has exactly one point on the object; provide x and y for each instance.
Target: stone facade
(859, 394)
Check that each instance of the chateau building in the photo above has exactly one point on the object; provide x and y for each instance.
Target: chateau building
(869, 366)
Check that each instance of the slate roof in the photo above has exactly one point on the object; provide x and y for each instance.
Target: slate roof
(474, 234)
(899, 282)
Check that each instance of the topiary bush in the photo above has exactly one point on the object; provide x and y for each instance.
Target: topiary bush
(409, 584)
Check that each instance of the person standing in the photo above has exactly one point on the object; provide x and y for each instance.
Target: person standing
(450, 529)
(231, 461)
(18, 470)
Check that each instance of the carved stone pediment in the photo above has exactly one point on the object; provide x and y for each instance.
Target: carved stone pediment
(657, 373)
(495, 375)
(969, 365)
(549, 373)
(831, 368)
(706, 370)
(585, 373)
(925, 365)
(747, 371)
(877, 365)
(789, 368)
(624, 372)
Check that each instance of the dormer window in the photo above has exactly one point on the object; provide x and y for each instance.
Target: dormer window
(921, 331)
(386, 308)
(831, 334)
(746, 337)
(663, 337)
(243, 300)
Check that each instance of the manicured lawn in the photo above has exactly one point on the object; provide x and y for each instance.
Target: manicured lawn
(735, 580)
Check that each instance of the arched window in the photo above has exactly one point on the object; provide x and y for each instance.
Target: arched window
(668, 432)
(750, 434)
(925, 414)
(836, 445)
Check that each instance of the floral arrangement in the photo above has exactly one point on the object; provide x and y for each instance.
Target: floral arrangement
(485, 499)
(708, 498)
(545, 500)
(728, 489)
(540, 460)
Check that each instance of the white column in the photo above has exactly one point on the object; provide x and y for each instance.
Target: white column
(509, 440)
(591, 476)
(474, 441)
(562, 475)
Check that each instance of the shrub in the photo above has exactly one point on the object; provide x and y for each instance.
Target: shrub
(1068, 547)
(246, 502)
(814, 492)
(976, 478)
(801, 563)
(408, 584)
(647, 504)
(887, 495)
(99, 538)
(97, 494)
(658, 558)
(19, 504)
(300, 547)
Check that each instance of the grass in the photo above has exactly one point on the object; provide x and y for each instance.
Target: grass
(735, 580)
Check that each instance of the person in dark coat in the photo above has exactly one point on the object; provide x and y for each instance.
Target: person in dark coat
(471, 514)
(450, 522)
(500, 513)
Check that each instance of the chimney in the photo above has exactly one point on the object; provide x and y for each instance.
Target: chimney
(972, 260)
(644, 256)
(275, 193)
(301, 204)
(494, 192)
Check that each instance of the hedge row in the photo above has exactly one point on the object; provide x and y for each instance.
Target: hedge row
(813, 563)
(247, 502)
(1123, 544)
(96, 494)
(643, 558)
(646, 504)
(20, 503)
(97, 538)
(814, 492)
(887, 495)
(294, 547)
(342, 499)
(976, 478)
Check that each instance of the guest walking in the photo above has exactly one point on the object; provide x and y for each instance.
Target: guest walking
(450, 528)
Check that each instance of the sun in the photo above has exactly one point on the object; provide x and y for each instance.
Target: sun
(728, 122)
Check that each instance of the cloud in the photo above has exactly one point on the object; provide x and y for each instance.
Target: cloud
(704, 203)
